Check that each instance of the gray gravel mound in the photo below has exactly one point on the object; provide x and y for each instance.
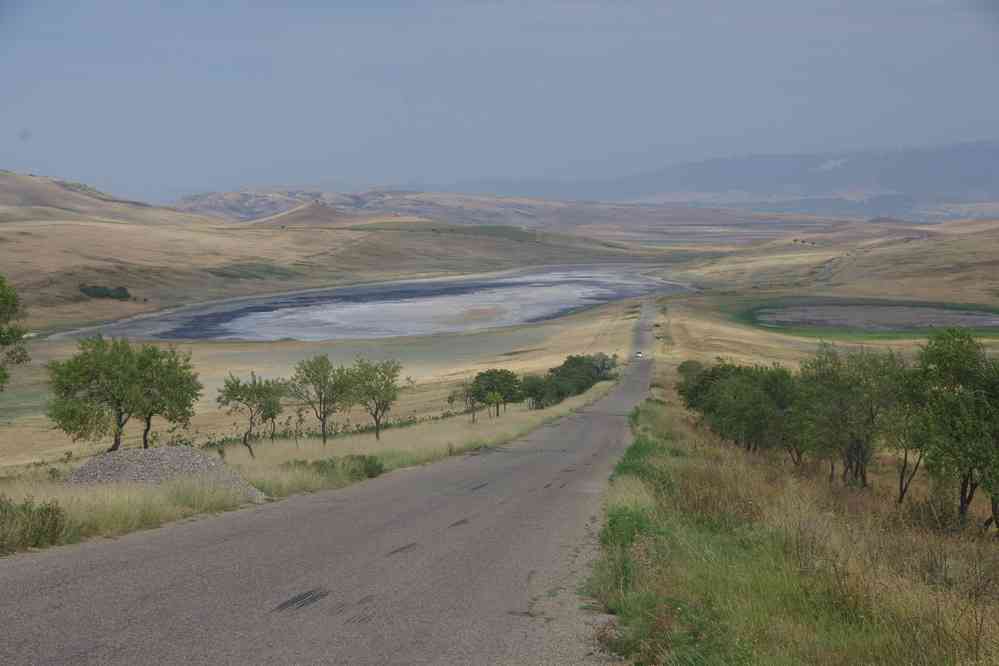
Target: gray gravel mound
(158, 465)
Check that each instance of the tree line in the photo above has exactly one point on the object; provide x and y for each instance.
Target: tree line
(937, 412)
(110, 383)
(495, 388)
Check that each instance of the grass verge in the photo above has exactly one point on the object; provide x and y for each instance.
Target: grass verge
(69, 513)
(712, 557)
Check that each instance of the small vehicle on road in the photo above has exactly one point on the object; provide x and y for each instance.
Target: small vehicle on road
(638, 354)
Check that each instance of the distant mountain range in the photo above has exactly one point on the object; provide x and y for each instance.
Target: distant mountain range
(958, 180)
(917, 184)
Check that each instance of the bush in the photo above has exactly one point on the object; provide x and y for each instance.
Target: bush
(358, 467)
(325, 467)
(29, 524)
(350, 467)
(98, 291)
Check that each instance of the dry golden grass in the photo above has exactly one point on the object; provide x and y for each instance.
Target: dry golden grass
(436, 363)
(194, 260)
(118, 508)
(954, 262)
(757, 561)
(742, 558)
(412, 444)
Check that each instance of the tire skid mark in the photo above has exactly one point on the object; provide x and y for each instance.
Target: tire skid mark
(402, 549)
(360, 618)
(302, 600)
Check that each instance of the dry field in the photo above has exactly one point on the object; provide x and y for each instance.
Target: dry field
(713, 555)
(55, 237)
(954, 262)
(436, 364)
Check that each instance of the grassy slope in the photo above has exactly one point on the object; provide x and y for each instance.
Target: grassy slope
(954, 265)
(713, 557)
(181, 260)
(953, 262)
(114, 509)
(436, 363)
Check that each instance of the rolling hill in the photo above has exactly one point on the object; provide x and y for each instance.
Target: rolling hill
(929, 183)
(60, 245)
(26, 198)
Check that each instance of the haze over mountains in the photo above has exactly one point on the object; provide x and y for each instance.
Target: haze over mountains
(923, 184)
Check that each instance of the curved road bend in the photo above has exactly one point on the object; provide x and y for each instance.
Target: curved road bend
(442, 564)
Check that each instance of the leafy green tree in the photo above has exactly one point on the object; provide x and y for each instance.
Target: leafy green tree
(694, 387)
(257, 400)
(277, 390)
(848, 396)
(12, 349)
(990, 475)
(533, 388)
(909, 425)
(376, 388)
(97, 391)
(505, 383)
(494, 400)
(957, 371)
(321, 387)
(168, 387)
(781, 389)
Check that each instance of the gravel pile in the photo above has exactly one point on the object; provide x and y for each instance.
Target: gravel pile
(158, 465)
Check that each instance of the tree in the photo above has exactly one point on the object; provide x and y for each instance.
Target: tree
(254, 399)
(322, 387)
(848, 395)
(504, 383)
(466, 393)
(276, 390)
(168, 387)
(957, 372)
(908, 425)
(494, 399)
(533, 388)
(376, 388)
(12, 350)
(990, 475)
(96, 391)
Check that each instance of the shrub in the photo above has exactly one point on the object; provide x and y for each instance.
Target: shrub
(624, 524)
(351, 467)
(98, 291)
(28, 524)
(358, 467)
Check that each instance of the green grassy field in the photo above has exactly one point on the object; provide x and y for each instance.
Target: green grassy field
(746, 311)
(710, 557)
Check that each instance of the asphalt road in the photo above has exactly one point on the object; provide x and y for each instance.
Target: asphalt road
(452, 563)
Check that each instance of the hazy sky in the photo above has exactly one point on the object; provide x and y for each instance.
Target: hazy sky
(155, 100)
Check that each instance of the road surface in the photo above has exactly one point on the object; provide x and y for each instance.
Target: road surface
(473, 560)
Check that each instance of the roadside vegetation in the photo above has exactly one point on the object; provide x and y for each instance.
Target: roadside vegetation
(287, 436)
(728, 541)
(12, 350)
